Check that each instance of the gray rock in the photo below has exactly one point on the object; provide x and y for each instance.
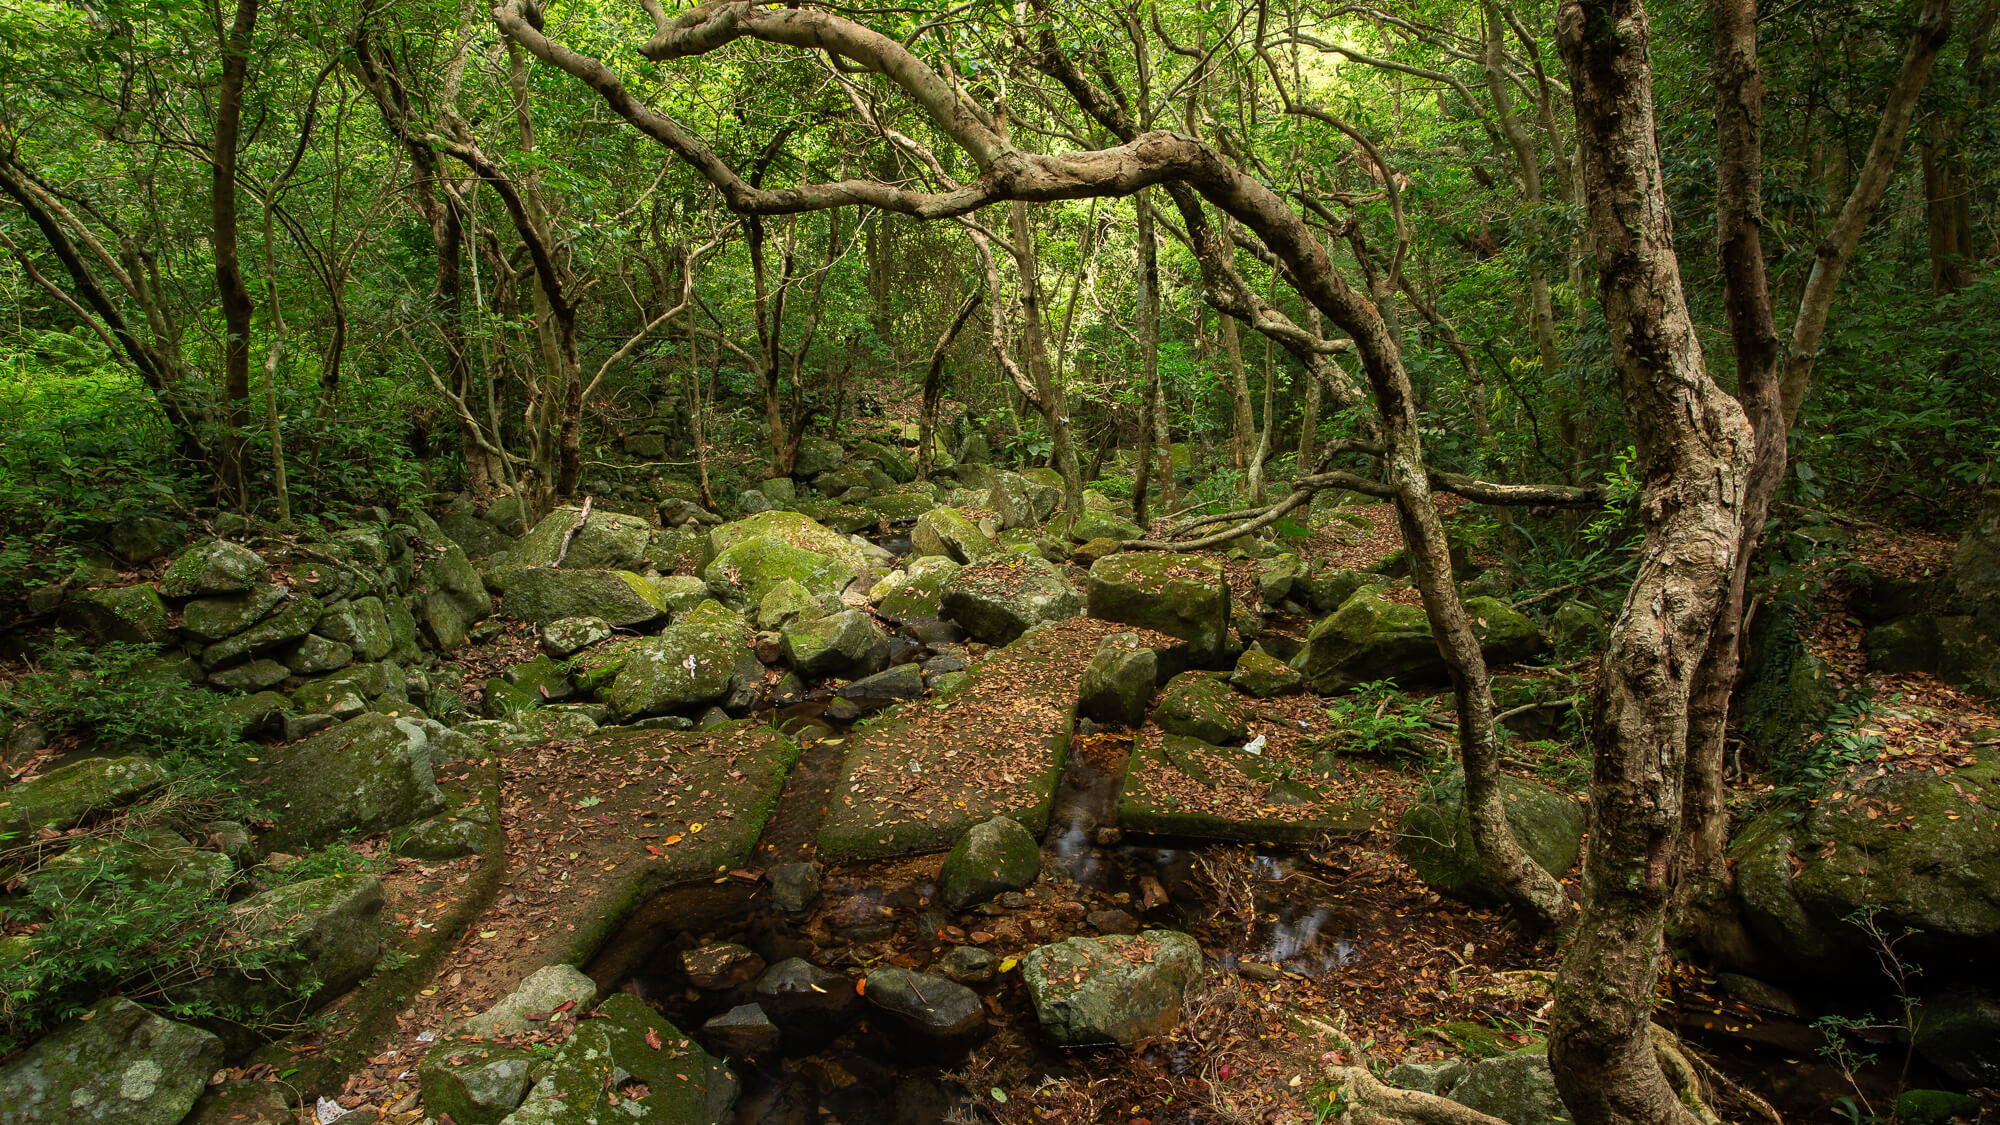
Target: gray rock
(213, 567)
(1022, 502)
(1959, 1033)
(687, 665)
(143, 538)
(743, 1032)
(606, 541)
(1201, 705)
(1435, 837)
(948, 533)
(841, 644)
(816, 456)
(904, 681)
(477, 538)
(1119, 681)
(541, 595)
(931, 1006)
(451, 595)
(1183, 596)
(250, 676)
(322, 934)
(785, 602)
(570, 635)
(361, 624)
(1437, 1077)
(1517, 1088)
(1092, 991)
(316, 655)
(589, 1078)
(997, 855)
(368, 774)
(133, 614)
(474, 1083)
(968, 964)
(1373, 638)
(808, 1003)
(1264, 676)
(213, 619)
(997, 600)
(289, 622)
(721, 965)
(540, 994)
(120, 1065)
(794, 886)
(68, 795)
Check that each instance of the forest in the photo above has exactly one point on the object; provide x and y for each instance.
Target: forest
(1223, 561)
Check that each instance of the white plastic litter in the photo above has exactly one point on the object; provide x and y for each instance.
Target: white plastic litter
(328, 1110)
(1256, 746)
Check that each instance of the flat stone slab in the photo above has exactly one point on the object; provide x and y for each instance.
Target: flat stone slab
(921, 776)
(1183, 787)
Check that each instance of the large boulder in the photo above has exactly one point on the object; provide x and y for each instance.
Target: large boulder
(474, 1083)
(847, 643)
(134, 614)
(1022, 502)
(1959, 1033)
(1517, 1088)
(687, 665)
(541, 595)
(293, 619)
(213, 567)
(361, 624)
(1118, 683)
(815, 456)
(543, 993)
(1372, 638)
(950, 533)
(215, 618)
(68, 795)
(118, 1064)
(997, 600)
(747, 569)
(1183, 596)
(915, 591)
(605, 541)
(1093, 991)
(1435, 837)
(794, 529)
(1925, 860)
(368, 774)
(1201, 705)
(997, 856)
(451, 597)
(308, 942)
(930, 1006)
(593, 1076)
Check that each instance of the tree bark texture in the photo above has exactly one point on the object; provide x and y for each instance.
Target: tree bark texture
(232, 482)
(1695, 449)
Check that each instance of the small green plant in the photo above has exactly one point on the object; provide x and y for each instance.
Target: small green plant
(1840, 1032)
(1378, 719)
(334, 859)
(124, 697)
(1842, 743)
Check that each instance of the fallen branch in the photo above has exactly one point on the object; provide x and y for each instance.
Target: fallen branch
(581, 516)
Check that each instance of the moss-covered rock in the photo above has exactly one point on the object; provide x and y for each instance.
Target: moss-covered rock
(794, 529)
(292, 620)
(213, 619)
(567, 636)
(361, 624)
(110, 866)
(743, 572)
(915, 591)
(474, 1083)
(1327, 588)
(1093, 525)
(606, 541)
(451, 597)
(997, 600)
(1930, 864)
(900, 507)
(1119, 681)
(1093, 991)
(1201, 705)
(847, 643)
(320, 936)
(134, 614)
(1023, 502)
(1435, 837)
(1517, 1088)
(619, 597)
(785, 602)
(213, 567)
(687, 665)
(998, 855)
(950, 533)
(1373, 638)
(539, 995)
(595, 1075)
(69, 795)
(1182, 596)
(368, 774)
(1264, 675)
(816, 455)
(116, 1065)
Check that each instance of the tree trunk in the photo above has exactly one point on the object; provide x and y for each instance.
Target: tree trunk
(1148, 301)
(1053, 405)
(232, 483)
(1695, 446)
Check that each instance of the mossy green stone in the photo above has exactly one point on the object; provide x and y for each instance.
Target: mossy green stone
(794, 529)
(132, 614)
(292, 620)
(950, 533)
(68, 795)
(1201, 705)
(368, 774)
(1183, 596)
(120, 1065)
(997, 855)
(621, 598)
(687, 665)
(1435, 837)
(213, 567)
(743, 572)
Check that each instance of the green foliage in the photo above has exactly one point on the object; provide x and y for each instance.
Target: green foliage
(334, 859)
(124, 697)
(1845, 741)
(1377, 719)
